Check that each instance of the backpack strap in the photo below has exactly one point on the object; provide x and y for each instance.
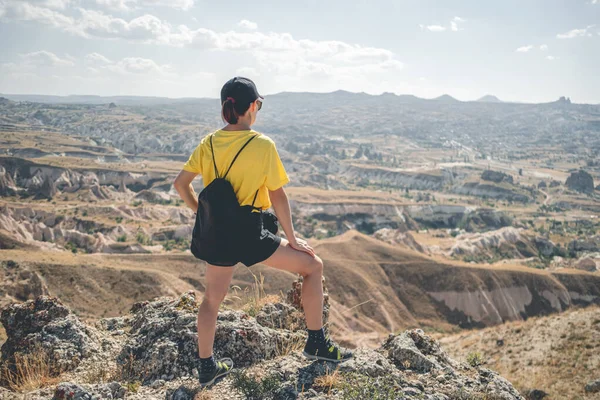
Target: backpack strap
(212, 150)
(236, 156)
(254, 200)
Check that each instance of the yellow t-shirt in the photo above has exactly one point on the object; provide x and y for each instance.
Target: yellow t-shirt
(257, 167)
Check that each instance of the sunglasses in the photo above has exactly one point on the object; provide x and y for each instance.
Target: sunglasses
(259, 103)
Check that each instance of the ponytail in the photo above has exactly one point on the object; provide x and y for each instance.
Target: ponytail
(228, 111)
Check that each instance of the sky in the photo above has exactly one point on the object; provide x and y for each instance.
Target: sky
(517, 50)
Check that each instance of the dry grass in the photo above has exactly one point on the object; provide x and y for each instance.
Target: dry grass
(251, 299)
(33, 371)
(329, 381)
(203, 395)
(283, 347)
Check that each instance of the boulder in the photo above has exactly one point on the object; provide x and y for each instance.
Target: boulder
(415, 351)
(581, 181)
(535, 394)
(593, 386)
(45, 325)
(587, 264)
(162, 343)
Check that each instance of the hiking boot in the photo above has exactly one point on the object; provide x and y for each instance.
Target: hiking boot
(222, 368)
(326, 351)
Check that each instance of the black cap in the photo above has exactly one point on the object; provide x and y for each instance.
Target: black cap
(241, 90)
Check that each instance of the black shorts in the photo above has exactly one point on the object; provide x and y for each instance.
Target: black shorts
(256, 239)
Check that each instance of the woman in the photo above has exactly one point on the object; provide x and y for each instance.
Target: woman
(257, 167)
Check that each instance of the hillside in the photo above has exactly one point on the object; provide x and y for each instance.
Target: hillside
(150, 354)
(375, 288)
(559, 354)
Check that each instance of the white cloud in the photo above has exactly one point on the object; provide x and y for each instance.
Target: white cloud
(247, 71)
(55, 4)
(433, 28)
(138, 65)
(576, 33)
(96, 58)
(248, 25)
(454, 26)
(24, 11)
(524, 49)
(46, 58)
(544, 47)
(551, 58)
(127, 5)
(271, 52)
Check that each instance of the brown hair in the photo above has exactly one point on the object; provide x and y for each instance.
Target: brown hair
(232, 110)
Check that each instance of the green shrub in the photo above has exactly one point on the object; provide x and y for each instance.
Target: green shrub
(254, 389)
(143, 239)
(360, 387)
(474, 359)
(119, 219)
(71, 246)
(122, 238)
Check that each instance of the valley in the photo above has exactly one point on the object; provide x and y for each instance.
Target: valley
(458, 218)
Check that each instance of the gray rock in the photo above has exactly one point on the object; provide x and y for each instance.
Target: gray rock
(181, 393)
(593, 386)
(45, 325)
(162, 343)
(496, 176)
(415, 351)
(581, 181)
(74, 391)
(535, 394)
(71, 391)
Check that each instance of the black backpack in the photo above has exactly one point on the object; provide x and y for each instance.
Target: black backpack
(218, 219)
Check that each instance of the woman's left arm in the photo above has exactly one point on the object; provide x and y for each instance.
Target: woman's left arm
(183, 185)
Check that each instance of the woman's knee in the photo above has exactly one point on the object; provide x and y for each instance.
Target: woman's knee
(314, 267)
(213, 298)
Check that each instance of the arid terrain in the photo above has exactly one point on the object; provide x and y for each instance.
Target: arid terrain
(559, 353)
(468, 220)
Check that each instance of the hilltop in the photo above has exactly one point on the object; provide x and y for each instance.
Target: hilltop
(489, 99)
(151, 354)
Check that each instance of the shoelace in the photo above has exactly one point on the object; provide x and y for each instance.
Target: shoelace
(332, 347)
(223, 365)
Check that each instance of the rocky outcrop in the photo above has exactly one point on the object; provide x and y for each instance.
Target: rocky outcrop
(19, 283)
(46, 326)
(503, 243)
(496, 176)
(7, 185)
(431, 180)
(492, 191)
(581, 181)
(162, 343)
(159, 350)
(580, 247)
(396, 236)
(587, 264)
(462, 217)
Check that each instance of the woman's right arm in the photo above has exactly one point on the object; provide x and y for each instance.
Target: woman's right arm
(281, 205)
(183, 185)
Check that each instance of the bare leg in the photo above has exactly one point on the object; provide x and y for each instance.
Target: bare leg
(217, 284)
(311, 269)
